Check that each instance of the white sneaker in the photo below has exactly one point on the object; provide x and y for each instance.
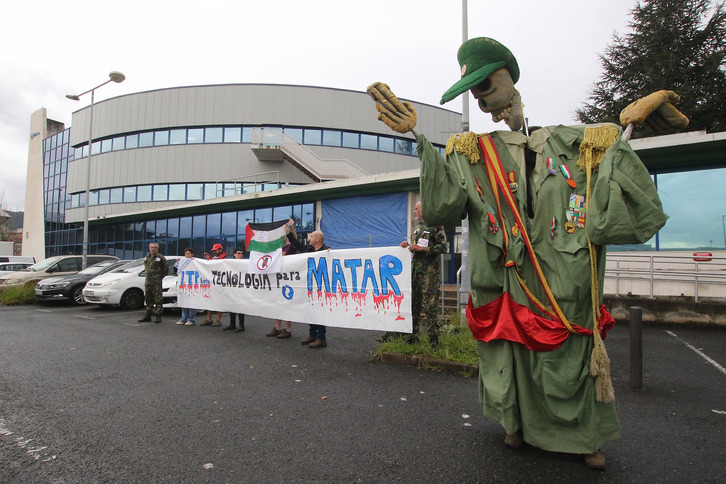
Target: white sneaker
(189, 323)
(180, 322)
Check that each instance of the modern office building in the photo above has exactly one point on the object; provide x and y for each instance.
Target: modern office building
(191, 166)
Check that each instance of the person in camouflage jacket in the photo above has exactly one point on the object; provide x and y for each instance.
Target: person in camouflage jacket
(155, 268)
(428, 243)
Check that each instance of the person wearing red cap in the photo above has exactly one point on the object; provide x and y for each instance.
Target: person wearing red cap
(217, 253)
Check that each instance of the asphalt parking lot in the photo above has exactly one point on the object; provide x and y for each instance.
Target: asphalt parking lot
(90, 395)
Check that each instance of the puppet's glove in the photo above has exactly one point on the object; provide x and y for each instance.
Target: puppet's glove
(397, 115)
(655, 111)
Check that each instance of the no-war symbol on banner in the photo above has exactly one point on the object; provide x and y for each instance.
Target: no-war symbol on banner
(352, 288)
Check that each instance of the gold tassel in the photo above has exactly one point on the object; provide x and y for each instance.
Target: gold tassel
(466, 144)
(595, 143)
(600, 369)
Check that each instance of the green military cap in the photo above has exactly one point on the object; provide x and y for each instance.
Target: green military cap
(478, 58)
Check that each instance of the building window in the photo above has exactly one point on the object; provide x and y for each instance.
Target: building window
(178, 136)
(161, 138)
(177, 191)
(331, 138)
(146, 140)
(143, 193)
(161, 193)
(312, 136)
(117, 195)
(213, 135)
(232, 135)
(119, 143)
(368, 142)
(132, 141)
(196, 135)
(129, 194)
(351, 140)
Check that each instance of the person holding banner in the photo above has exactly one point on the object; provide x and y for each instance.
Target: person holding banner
(238, 254)
(217, 253)
(428, 243)
(316, 338)
(278, 332)
(188, 315)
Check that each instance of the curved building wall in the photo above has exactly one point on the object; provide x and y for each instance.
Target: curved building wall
(253, 105)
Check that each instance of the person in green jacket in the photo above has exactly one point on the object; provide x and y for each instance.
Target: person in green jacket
(155, 269)
(541, 209)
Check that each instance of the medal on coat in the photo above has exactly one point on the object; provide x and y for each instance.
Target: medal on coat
(513, 185)
(566, 171)
(576, 211)
(551, 166)
(492, 223)
(552, 228)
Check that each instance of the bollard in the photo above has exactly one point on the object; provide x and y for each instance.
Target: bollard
(636, 347)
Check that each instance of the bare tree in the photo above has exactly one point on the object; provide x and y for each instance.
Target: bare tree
(6, 221)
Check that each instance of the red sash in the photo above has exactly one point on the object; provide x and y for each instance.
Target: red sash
(506, 319)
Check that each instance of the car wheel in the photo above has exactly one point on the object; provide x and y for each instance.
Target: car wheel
(77, 295)
(132, 299)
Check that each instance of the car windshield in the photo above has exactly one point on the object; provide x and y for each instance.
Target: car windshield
(130, 266)
(44, 264)
(96, 269)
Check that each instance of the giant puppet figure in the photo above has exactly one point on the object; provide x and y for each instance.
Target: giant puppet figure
(541, 208)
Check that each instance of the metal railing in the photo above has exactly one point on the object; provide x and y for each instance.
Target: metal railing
(245, 184)
(660, 274)
(326, 168)
(698, 274)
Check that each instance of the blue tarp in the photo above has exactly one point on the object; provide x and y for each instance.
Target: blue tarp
(367, 221)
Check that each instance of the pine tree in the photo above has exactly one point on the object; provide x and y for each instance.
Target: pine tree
(674, 44)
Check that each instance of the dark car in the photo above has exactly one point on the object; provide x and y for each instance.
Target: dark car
(70, 287)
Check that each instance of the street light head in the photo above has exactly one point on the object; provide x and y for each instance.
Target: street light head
(116, 76)
(73, 97)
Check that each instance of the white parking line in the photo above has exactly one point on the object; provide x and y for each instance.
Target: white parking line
(700, 353)
(36, 453)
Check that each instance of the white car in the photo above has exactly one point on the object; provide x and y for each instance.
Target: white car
(125, 286)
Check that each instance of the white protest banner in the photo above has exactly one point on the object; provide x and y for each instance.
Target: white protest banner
(353, 288)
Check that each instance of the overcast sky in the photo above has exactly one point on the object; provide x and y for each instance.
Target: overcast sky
(52, 48)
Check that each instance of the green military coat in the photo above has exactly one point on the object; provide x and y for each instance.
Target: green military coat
(548, 395)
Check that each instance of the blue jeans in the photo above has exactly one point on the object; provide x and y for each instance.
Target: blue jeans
(317, 331)
(189, 314)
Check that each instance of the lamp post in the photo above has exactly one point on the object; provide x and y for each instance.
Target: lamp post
(117, 77)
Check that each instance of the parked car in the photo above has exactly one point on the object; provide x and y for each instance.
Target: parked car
(60, 265)
(7, 267)
(70, 288)
(18, 258)
(124, 286)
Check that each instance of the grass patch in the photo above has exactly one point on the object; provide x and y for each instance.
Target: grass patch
(456, 343)
(18, 295)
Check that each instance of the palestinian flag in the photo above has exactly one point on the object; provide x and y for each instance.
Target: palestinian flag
(264, 243)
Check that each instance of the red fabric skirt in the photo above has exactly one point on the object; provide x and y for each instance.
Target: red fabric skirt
(506, 319)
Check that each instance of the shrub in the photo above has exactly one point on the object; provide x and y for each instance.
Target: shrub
(18, 295)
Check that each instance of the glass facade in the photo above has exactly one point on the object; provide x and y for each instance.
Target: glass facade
(57, 154)
(130, 240)
(696, 204)
(243, 134)
(218, 134)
